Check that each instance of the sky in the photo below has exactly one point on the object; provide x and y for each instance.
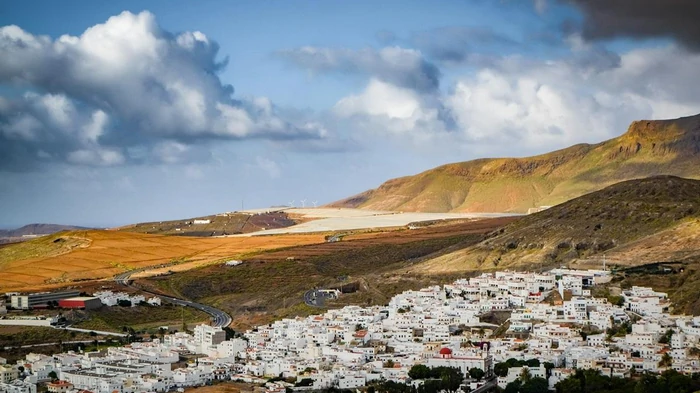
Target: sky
(121, 112)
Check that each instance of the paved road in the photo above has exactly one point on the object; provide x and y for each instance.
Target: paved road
(314, 298)
(490, 384)
(219, 318)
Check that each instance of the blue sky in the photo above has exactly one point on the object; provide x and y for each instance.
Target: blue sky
(132, 115)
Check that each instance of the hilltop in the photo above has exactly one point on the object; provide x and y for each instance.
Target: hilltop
(648, 148)
(229, 223)
(30, 230)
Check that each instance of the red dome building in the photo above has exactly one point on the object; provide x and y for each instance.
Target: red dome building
(446, 353)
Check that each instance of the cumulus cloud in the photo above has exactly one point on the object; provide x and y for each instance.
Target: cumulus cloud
(122, 84)
(406, 68)
(522, 105)
(676, 19)
(555, 103)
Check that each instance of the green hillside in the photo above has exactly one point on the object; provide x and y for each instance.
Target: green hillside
(648, 148)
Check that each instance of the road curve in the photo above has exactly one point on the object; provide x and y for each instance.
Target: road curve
(219, 318)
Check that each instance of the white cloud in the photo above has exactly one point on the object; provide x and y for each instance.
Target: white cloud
(122, 84)
(520, 106)
(385, 107)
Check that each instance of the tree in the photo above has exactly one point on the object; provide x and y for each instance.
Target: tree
(451, 378)
(535, 385)
(500, 369)
(548, 366)
(419, 371)
(430, 386)
(476, 373)
(533, 363)
(646, 384)
(525, 375)
(53, 375)
(305, 382)
(569, 385)
(666, 338)
(666, 360)
(388, 364)
(513, 387)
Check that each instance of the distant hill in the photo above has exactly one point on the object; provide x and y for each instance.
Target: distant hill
(36, 229)
(634, 222)
(214, 225)
(648, 148)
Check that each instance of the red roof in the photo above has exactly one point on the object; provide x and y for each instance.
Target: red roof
(446, 351)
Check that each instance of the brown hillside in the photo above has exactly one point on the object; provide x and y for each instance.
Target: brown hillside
(648, 148)
(633, 222)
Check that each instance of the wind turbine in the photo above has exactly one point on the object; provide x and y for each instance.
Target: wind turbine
(315, 203)
(303, 203)
(291, 204)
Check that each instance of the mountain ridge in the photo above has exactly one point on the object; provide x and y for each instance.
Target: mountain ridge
(38, 229)
(647, 148)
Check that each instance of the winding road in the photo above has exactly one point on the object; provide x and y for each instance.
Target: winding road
(219, 318)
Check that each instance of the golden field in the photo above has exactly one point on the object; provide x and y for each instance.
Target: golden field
(70, 257)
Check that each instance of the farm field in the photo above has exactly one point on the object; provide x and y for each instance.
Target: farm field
(335, 219)
(72, 257)
(271, 284)
(361, 240)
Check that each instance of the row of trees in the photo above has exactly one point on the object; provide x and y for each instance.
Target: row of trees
(438, 378)
(501, 368)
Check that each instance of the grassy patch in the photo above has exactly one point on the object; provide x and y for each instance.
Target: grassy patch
(45, 246)
(146, 318)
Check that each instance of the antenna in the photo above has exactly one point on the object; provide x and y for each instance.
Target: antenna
(303, 202)
(291, 204)
(315, 203)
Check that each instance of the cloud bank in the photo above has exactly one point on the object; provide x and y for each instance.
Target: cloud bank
(124, 91)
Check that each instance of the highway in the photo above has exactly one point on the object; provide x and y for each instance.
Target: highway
(219, 318)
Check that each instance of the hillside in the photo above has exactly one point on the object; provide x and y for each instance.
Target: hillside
(648, 148)
(656, 218)
(648, 230)
(214, 225)
(270, 285)
(67, 258)
(31, 230)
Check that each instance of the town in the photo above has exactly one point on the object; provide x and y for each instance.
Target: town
(554, 325)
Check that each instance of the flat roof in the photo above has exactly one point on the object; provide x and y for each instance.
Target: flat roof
(81, 298)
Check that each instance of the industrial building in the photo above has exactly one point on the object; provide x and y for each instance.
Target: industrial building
(39, 300)
(81, 302)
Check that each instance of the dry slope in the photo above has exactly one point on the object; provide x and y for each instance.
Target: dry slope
(648, 148)
(635, 222)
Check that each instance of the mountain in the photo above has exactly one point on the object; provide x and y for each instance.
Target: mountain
(37, 229)
(633, 222)
(648, 148)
